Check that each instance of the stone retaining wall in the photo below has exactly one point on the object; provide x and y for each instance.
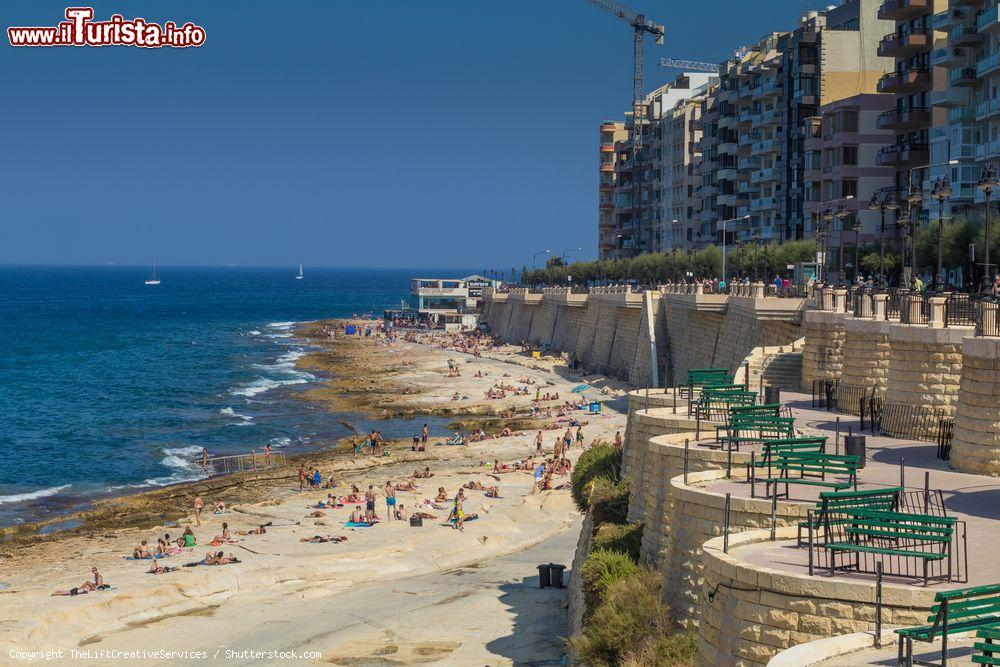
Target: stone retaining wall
(976, 444)
(750, 612)
(823, 353)
(866, 353)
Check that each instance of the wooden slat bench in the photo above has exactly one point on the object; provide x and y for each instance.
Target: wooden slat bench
(954, 611)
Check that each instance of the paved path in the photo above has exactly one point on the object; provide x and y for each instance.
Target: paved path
(493, 614)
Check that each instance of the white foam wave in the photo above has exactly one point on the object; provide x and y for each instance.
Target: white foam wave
(253, 333)
(229, 412)
(32, 495)
(280, 442)
(265, 384)
(280, 335)
(282, 325)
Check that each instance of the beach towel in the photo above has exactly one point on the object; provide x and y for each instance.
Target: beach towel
(354, 524)
(145, 558)
(466, 520)
(579, 389)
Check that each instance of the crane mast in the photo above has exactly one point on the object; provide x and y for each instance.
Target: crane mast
(641, 26)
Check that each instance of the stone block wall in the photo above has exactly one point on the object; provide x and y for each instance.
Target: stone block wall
(866, 353)
(925, 369)
(976, 443)
(823, 353)
(752, 612)
(698, 515)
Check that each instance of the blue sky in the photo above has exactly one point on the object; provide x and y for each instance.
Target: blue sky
(363, 133)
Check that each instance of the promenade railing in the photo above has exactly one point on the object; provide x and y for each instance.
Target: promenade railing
(987, 316)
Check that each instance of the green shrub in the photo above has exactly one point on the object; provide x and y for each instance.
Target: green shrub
(630, 625)
(625, 538)
(609, 501)
(601, 569)
(601, 460)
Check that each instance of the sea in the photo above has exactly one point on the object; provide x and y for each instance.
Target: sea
(109, 386)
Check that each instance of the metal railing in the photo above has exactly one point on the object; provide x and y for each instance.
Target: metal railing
(221, 465)
(959, 310)
(988, 317)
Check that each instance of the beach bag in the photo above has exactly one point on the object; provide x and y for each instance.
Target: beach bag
(416, 522)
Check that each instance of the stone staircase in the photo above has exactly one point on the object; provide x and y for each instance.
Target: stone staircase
(777, 366)
(783, 370)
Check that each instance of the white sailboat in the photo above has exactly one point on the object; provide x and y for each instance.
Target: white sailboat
(299, 277)
(154, 280)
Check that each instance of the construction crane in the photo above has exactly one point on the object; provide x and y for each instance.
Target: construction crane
(690, 65)
(641, 25)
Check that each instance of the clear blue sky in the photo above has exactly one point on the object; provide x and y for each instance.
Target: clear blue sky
(364, 133)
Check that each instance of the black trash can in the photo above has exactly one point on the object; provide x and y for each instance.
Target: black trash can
(544, 581)
(854, 445)
(772, 395)
(416, 522)
(556, 575)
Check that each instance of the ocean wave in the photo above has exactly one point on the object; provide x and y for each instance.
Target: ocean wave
(280, 442)
(246, 420)
(253, 333)
(282, 325)
(279, 335)
(32, 495)
(261, 385)
(182, 458)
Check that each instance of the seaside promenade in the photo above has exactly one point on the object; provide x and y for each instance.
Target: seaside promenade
(913, 375)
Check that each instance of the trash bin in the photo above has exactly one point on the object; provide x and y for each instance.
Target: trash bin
(772, 395)
(544, 581)
(556, 575)
(854, 445)
(416, 522)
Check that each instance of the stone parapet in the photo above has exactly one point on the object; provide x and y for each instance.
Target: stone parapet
(976, 443)
(751, 612)
(823, 353)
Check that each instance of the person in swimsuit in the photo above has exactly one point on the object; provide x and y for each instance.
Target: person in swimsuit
(538, 442)
(198, 505)
(370, 504)
(457, 512)
(390, 500)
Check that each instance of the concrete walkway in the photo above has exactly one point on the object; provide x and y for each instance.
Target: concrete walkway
(974, 499)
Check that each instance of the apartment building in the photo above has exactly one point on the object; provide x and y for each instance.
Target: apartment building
(611, 133)
(921, 86)
(664, 169)
(841, 144)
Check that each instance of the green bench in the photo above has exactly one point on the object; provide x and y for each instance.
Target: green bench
(772, 448)
(832, 507)
(954, 611)
(922, 536)
(706, 377)
(737, 411)
(982, 652)
(755, 429)
(812, 469)
(715, 401)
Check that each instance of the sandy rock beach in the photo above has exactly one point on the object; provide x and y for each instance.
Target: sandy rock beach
(286, 594)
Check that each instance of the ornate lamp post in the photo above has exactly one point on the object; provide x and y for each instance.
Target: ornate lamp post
(887, 203)
(915, 197)
(821, 234)
(856, 228)
(988, 184)
(841, 214)
(942, 190)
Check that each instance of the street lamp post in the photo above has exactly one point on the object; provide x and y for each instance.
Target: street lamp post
(823, 234)
(723, 226)
(887, 203)
(856, 228)
(566, 253)
(914, 197)
(988, 184)
(534, 258)
(841, 215)
(823, 231)
(942, 190)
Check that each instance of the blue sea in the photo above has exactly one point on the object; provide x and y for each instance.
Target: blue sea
(108, 385)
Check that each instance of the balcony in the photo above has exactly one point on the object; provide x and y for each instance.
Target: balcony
(961, 115)
(987, 20)
(949, 55)
(950, 97)
(904, 120)
(765, 147)
(896, 45)
(988, 151)
(607, 166)
(900, 10)
(987, 109)
(768, 117)
(749, 163)
(728, 148)
(988, 65)
(964, 34)
(762, 175)
(910, 81)
(963, 77)
(902, 155)
(726, 174)
(943, 21)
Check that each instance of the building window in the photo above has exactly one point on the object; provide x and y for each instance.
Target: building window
(849, 187)
(850, 155)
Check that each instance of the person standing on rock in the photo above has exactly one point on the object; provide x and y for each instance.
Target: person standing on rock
(424, 435)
